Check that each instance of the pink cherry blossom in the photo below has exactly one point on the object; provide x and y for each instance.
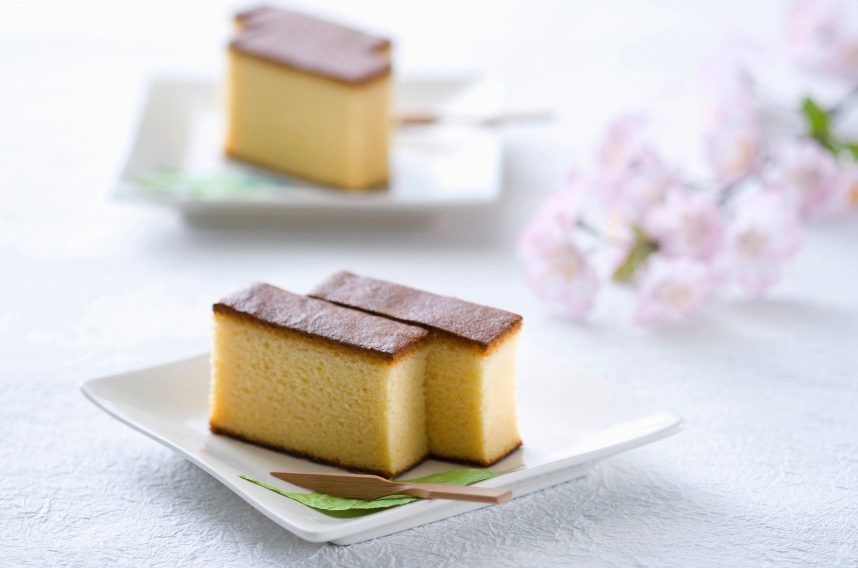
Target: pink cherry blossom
(729, 74)
(809, 173)
(734, 146)
(623, 144)
(560, 210)
(672, 290)
(632, 175)
(688, 224)
(823, 36)
(764, 233)
(733, 141)
(731, 122)
(558, 271)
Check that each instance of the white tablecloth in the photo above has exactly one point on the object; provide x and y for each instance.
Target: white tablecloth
(766, 472)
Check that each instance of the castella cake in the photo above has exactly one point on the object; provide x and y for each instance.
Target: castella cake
(318, 380)
(470, 369)
(309, 97)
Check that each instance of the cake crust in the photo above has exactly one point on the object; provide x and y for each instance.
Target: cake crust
(317, 319)
(480, 325)
(311, 45)
(215, 429)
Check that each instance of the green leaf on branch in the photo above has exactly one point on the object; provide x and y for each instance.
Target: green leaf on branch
(818, 122)
(641, 250)
(819, 128)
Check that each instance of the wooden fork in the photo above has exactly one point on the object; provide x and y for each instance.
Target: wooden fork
(359, 486)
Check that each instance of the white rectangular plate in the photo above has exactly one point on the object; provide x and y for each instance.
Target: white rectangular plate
(568, 421)
(177, 160)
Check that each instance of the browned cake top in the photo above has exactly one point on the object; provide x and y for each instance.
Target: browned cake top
(311, 45)
(278, 308)
(479, 324)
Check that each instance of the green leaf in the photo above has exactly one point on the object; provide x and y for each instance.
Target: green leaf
(172, 180)
(640, 252)
(818, 121)
(456, 476)
(343, 507)
(819, 128)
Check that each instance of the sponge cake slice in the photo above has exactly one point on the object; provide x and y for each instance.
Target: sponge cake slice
(318, 380)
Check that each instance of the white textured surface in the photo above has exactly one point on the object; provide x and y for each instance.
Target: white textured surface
(766, 472)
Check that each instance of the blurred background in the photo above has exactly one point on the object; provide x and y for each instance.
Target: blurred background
(75, 79)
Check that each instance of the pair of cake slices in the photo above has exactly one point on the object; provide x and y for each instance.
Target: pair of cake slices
(365, 374)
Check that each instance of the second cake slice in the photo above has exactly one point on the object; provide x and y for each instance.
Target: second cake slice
(319, 380)
(470, 369)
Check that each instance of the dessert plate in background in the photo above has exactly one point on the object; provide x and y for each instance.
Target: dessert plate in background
(563, 436)
(176, 158)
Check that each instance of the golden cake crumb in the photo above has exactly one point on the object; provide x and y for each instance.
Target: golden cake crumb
(317, 380)
(470, 369)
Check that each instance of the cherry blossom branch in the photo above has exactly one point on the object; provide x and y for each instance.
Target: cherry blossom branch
(687, 242)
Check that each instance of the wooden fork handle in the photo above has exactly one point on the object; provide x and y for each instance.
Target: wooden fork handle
(457, 493)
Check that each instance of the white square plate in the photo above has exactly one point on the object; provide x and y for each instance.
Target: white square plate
(562, 437)
(177, 160)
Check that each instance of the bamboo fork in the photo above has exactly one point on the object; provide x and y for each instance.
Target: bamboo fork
(358, 486)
